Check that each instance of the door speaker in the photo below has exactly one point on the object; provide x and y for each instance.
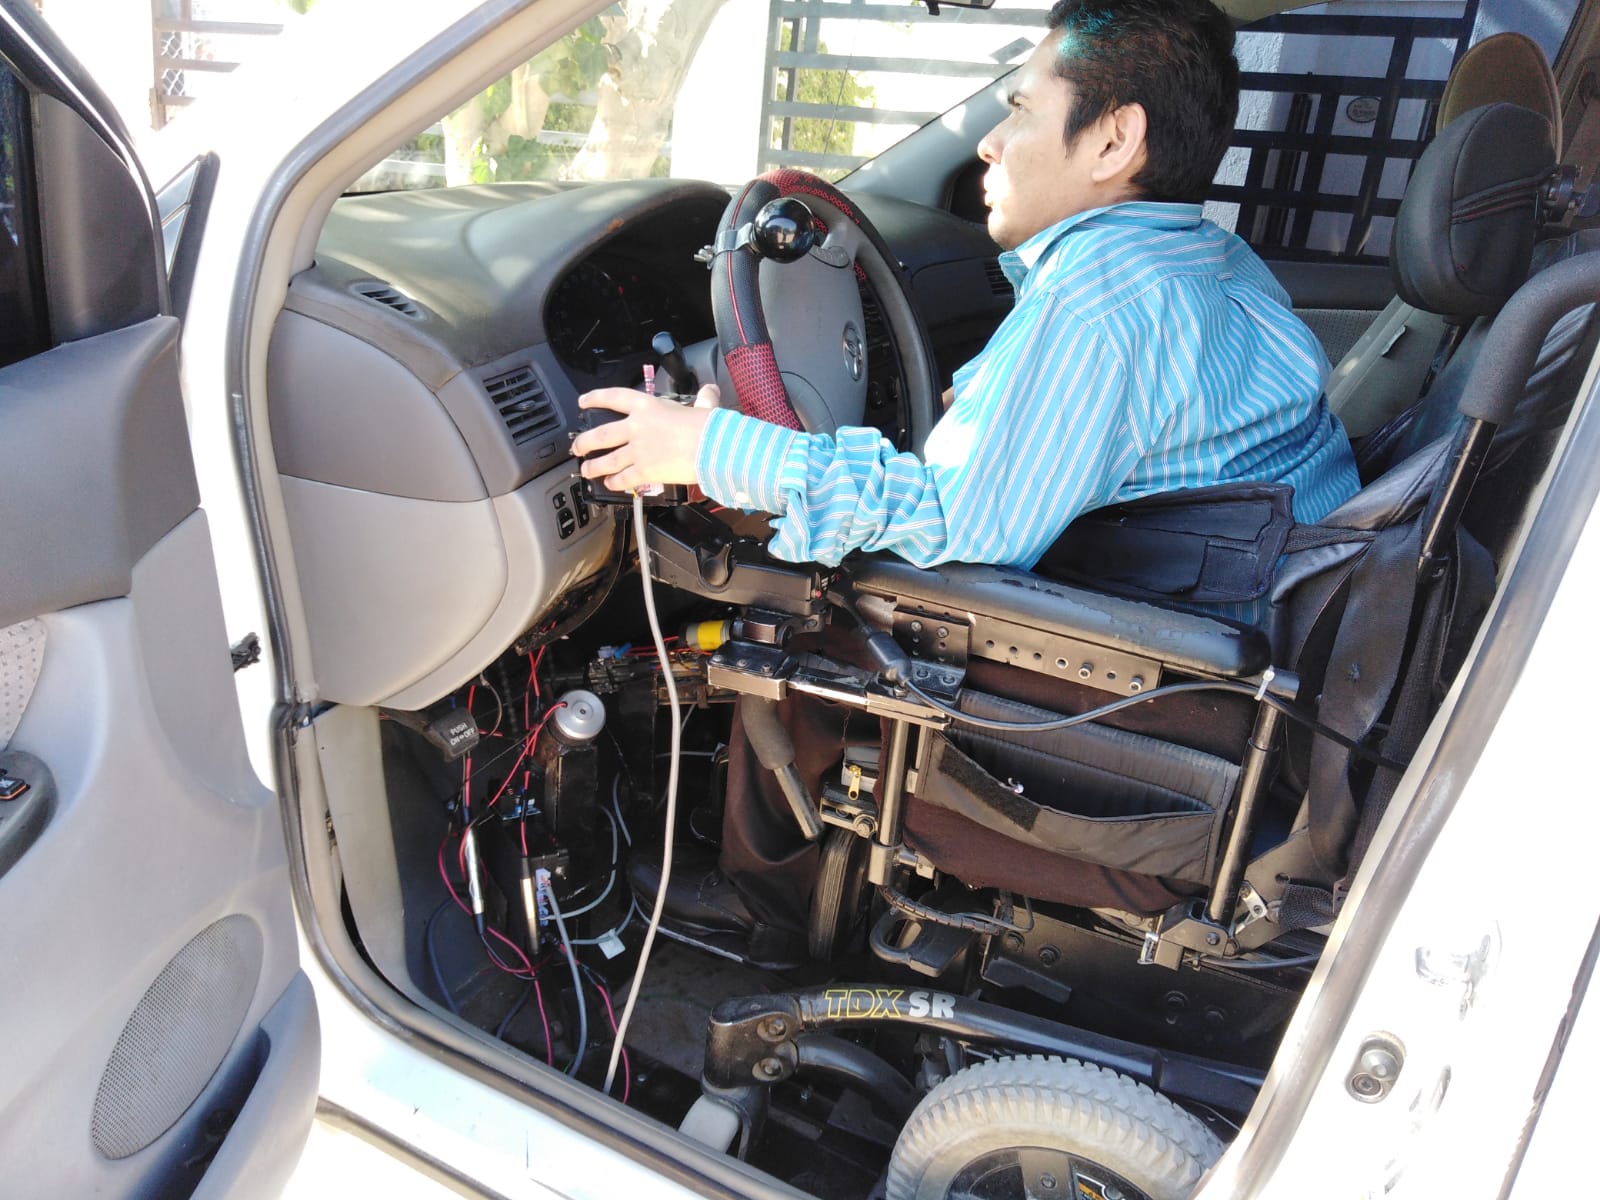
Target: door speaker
(177, 1037)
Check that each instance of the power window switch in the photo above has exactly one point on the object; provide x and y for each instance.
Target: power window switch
(11, 786)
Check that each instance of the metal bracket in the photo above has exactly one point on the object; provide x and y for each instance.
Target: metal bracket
(939, 637)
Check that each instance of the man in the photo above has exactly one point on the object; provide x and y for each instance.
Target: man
(1148, 350)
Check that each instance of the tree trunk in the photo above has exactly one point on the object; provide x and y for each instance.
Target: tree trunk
(651, 44)
(469, 134)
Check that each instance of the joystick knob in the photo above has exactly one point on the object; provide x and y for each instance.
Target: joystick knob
(784, 230)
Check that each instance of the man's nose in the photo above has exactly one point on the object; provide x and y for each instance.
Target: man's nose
(989, 147)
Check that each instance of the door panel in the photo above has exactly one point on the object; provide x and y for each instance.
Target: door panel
(156, 1034)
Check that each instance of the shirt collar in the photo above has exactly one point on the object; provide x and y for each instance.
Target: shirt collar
(1018, 264)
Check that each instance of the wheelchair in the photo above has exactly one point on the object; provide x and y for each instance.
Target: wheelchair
(1129, 791)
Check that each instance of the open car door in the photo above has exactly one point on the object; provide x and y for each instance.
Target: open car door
(156, 1034)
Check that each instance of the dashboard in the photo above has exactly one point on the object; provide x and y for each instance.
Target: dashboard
(422, 394)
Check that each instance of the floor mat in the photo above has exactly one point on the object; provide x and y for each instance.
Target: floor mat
(681, 987)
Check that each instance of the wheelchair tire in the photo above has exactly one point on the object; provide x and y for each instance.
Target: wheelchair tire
(836, 895)
(1042, 1126)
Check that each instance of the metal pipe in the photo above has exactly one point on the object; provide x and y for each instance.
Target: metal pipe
(1254, 775)
(885, 849)
(858, 1067)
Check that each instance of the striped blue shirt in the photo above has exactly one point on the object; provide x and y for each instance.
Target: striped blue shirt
(1148, 350)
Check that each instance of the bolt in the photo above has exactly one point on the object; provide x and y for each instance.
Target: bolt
(1049, 956)
(774, 1029)
(1136, 684)
(769, 1068)
(1213, 938)
(865, 826)
(1086, 671)
(1013, 941)
(741, 662)
(1047, 1181)
(916, 627)
(941, 632)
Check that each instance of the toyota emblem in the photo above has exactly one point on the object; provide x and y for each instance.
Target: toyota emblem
(855, 352)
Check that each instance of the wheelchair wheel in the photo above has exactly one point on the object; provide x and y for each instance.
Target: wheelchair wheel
(841, 874)
(1048, 1127)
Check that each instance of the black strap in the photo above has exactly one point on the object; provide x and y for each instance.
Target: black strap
(1210, 545)
(1362, 671)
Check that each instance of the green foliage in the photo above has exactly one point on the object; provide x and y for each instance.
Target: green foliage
(299, 6)
(822, 135)
(569, 69)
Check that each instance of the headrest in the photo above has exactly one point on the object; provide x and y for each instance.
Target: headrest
(1464, 237)
(1508, 67)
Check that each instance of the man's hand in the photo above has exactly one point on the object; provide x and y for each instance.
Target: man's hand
(655, 442)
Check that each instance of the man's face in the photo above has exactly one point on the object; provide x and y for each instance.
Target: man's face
(1034, 180)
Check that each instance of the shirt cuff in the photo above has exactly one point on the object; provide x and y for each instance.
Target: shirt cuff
(745, 463)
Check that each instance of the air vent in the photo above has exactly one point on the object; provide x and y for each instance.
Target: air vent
(998, 283)
(523, 404)
(382, 293)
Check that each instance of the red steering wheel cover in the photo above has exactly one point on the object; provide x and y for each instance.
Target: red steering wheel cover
(736, 296)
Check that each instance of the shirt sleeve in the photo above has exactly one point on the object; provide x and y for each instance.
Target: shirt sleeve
(1039, 432)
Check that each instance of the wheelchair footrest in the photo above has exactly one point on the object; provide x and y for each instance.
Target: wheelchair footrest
(926, 947)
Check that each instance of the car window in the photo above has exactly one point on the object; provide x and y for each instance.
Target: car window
(631, 93)
(23, 319)
(1336, 104)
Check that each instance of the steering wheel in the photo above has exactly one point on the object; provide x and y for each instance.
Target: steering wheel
(789, 253)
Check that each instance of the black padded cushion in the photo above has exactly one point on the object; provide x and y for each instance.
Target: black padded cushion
(1464, 236)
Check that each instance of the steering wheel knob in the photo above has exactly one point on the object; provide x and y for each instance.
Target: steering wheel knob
(785, 230)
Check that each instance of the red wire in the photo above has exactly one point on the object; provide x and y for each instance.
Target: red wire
(612, 1017)
(549, 1050)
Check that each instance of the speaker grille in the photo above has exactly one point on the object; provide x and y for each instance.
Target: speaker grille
(177, 1037)
(21, 660)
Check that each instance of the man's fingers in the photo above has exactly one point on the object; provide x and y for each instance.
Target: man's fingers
(622, 400)
(605, 466)
(602, 437)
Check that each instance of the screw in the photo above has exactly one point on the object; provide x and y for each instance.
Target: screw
(741, 662)
(1049, 956)
(1013, 941)
(774, 1029)
(941, 632)
(1086, 671)
(916, 627)
(1212, 939)
(1136, 684)
(769, 1068)
(1047, 1181)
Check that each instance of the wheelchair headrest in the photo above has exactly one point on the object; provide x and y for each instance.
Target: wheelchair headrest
(1464, 237)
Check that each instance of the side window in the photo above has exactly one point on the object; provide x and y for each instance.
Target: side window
(1334, 110)
(24, 327)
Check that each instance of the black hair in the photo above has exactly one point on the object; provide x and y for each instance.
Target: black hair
(1173, 57)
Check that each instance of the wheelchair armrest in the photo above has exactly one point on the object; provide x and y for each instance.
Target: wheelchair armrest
(1001, 606)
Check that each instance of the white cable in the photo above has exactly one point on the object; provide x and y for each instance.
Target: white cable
(672, 791)
(611, 879)
(577, 980)
(633, 908)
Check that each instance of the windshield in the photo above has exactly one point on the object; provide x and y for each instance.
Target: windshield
(718, 89)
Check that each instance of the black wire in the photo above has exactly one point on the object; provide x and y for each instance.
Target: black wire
(433, 956)
(1170, 689)
(505, 1021)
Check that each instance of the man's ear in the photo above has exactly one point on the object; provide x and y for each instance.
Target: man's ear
(1123, 150)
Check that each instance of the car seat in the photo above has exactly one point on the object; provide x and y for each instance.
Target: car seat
(1384, 371)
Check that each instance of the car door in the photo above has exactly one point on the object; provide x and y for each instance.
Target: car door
(156, 1034)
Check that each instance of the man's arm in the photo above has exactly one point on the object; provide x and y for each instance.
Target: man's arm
(1039, 433)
